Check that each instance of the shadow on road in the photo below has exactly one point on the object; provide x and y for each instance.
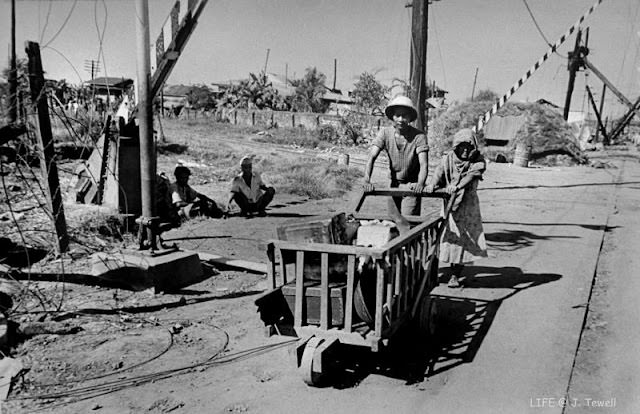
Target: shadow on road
(196, 238)
(596, 227)
(464, 318)
(510, 240)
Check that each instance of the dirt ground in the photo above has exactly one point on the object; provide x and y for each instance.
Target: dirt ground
(204, 349)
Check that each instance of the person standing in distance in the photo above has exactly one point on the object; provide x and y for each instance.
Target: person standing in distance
(407, 150)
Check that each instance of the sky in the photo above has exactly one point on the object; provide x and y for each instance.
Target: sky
(498, 37)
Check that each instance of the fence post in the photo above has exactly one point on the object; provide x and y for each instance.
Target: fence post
(45, 142)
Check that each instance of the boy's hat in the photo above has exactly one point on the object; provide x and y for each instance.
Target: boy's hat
(401, 101)
(181, 169)
(246, 160)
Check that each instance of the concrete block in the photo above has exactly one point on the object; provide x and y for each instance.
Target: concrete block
(141, 270)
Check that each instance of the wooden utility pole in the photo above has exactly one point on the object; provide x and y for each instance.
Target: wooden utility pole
(266, 61)
(13, 69)
(335, 73)
(418, 79)
(45, 142)
(475, 78)
(573, 65)
(145, 115)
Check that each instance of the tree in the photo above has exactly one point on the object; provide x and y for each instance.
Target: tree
(201, 97)
(255, 92)
(485, 95)
(309, 92)
(23, 80)
(369, 94)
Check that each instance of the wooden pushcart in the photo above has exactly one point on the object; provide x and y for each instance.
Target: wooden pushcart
(381, 288)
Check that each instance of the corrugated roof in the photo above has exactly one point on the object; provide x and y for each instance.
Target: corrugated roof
(111, 82)
(336, 97)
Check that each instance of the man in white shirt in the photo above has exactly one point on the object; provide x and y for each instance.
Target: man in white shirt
(249, 191)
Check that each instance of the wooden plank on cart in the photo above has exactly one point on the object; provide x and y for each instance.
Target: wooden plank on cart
(368, 338)
(379, 297)
(324, 291)
(299, 288)
(351, 268)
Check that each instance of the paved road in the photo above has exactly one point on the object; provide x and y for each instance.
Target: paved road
(607, 369)
(510, 339)
(514, 333)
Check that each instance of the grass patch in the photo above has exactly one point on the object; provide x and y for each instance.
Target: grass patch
(299, 137)
(315, 179)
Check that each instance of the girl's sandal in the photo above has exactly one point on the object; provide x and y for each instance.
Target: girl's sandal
(453, 282)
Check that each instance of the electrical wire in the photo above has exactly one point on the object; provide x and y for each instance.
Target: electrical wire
(435, 31)
(535, 22)
(84, 393)
(632, 24)
(46, 23)
(73, 6)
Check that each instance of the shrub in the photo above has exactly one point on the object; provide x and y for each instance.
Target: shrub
(315, 179)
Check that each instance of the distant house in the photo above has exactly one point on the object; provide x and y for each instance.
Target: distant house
(175, 96)
(338, 103)
(109, 88)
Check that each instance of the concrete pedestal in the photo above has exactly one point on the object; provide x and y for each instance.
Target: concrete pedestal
(140, 270)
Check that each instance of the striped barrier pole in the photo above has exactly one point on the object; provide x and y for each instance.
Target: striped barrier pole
(500, 103)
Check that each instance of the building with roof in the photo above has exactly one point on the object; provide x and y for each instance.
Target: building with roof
(109, 88)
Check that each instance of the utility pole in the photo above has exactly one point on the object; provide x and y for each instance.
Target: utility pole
(286, 73)
(266, 61)
(418, 79)
(92, 66)
(473, 90)
(573, 65)
(145, 117)
(335, 72)
(13, 69)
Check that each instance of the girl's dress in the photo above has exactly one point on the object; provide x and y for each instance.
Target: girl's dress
(463, 239)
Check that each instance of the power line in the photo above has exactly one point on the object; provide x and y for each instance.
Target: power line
(73, 6)
(68, 61)
(535, 22)
(435, 30)
(46, 22)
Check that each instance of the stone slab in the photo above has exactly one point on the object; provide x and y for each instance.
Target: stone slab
(141, 270)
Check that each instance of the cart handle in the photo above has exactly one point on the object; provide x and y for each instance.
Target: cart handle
(395, 192)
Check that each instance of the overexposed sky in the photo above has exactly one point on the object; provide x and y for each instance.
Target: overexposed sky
(232, 37)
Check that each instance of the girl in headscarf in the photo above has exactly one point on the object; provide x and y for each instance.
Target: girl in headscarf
(459, 172)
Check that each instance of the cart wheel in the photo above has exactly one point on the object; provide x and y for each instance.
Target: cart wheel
(306, 364)
(428, 316)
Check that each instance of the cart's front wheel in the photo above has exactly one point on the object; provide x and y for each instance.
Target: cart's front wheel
(309, 376)
(428, 316)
